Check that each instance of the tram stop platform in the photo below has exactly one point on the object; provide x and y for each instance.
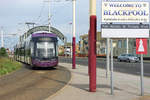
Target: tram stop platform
(126, 86)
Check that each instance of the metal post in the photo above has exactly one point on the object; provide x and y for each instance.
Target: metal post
(149, 41)
(74, 39)
(111, 77)
(2, 38)
(108, 60)
(127, 46)
(49, 15)
(92, 46)
(142, 82)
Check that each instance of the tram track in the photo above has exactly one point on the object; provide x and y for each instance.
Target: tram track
(28, 84)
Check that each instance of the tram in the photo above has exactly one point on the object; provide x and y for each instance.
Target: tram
(38, 50)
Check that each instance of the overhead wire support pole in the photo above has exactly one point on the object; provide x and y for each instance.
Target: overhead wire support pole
(92, 46)
(49, 17)
(2, 37)
(74, 38)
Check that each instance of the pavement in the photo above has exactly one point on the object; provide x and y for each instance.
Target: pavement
(126, 87)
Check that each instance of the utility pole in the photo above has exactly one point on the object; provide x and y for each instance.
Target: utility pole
(28, 24)
(49, 15)
(74, 38)
(2, 38)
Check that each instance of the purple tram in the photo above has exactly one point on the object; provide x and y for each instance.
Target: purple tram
(38, 50)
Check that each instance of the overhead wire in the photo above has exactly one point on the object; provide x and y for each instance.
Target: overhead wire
(39, 19)
(54, 1)
(40, 14)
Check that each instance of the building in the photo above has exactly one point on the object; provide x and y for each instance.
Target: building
(121, 45)
(83, 44)
(100, 44)
(67, 49)
(61, 50)
(77, 48)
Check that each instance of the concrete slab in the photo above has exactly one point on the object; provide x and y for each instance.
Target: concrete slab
(126, 87)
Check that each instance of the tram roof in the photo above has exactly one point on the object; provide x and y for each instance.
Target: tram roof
(44, 35)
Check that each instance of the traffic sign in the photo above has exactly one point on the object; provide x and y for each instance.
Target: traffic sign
(141, 46)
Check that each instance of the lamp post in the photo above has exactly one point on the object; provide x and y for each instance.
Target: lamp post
(92, 46)
(74, 38)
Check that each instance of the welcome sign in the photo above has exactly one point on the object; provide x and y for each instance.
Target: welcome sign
(125, 12)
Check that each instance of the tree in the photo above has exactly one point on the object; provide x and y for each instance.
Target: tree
(3, 52)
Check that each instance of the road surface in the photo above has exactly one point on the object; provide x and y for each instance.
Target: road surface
(124, 67)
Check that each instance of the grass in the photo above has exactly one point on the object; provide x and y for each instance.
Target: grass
(7, 66)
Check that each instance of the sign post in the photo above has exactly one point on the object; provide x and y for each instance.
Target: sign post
(108, 60)
(142, 82)
(111, 77)
(125, 13)
(141, 48)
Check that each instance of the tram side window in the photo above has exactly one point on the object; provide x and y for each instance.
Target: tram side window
(32, 48)
(56, 49)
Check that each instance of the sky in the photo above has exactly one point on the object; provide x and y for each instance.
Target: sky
(15, 13)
